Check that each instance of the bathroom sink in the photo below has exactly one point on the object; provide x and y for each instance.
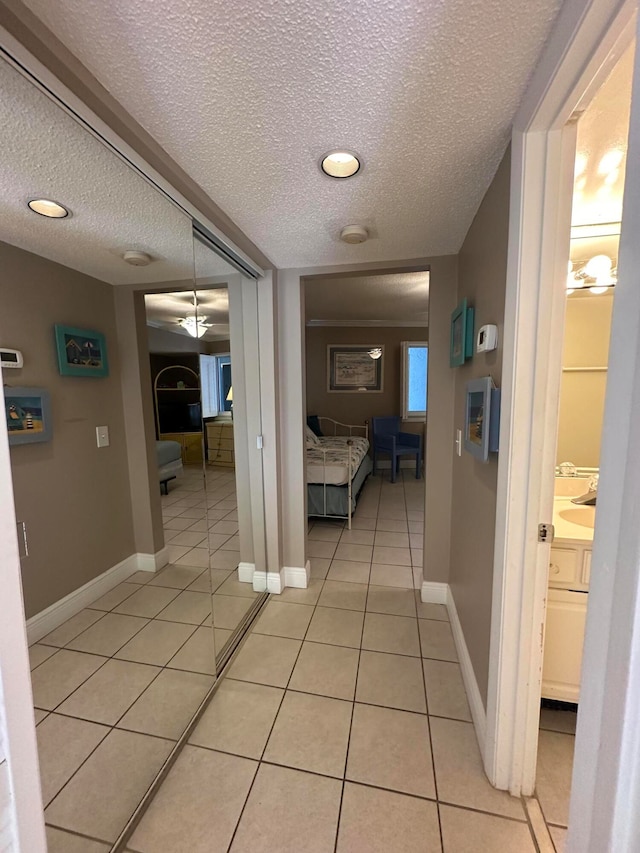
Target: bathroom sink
(584, 515)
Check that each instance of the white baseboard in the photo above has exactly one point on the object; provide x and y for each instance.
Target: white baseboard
(297, 576)
(275, 581)
(476, 705)
(48, 620)
(260, 581)
(153, 562)
(246, 572)
(434, 593)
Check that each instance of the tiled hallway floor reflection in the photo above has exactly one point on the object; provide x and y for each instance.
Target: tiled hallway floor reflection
(115, 686)
(342, 724)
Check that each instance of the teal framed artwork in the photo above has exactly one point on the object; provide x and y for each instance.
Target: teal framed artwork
(28, 415)
(81, 352)
(461, 345)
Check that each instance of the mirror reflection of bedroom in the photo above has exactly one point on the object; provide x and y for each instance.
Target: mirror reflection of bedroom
(366, 380)
(189, 341)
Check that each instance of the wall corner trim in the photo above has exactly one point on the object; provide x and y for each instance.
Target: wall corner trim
(297, 576)
(246, 572)
(260, 581)
(275, 581)
(153, 562)
(48, 620)
(432, 592)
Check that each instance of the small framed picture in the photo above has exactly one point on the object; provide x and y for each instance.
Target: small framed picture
(354, 368)
(481, 418)
(462, 322)
(28, 414)
(81, 352)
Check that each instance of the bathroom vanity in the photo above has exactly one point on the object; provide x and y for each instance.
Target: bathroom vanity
(569, 574)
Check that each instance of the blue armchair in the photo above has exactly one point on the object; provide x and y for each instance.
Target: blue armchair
(387, 438)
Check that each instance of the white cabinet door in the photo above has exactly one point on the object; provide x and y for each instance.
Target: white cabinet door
(563, 641)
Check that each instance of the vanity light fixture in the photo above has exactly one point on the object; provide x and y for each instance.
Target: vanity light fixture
(597, 275)
(375, 353)
(47, 207)
(340, 164)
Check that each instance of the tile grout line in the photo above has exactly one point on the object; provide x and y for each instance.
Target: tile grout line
(353, 707)
(266, 743)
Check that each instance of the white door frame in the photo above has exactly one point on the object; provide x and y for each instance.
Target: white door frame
(587, 40)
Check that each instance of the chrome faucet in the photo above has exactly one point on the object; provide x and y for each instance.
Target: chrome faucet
(590, 497)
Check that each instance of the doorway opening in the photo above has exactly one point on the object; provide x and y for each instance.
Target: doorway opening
(600, 162)
(366, 346)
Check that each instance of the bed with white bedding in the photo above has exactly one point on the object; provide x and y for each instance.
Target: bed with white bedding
(337, 467)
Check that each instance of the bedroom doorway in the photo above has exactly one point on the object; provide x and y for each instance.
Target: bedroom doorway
(363, 332)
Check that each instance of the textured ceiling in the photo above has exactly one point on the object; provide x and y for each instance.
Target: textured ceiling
(45, 153)
(165, 309)
(247, 96)
(373, 300)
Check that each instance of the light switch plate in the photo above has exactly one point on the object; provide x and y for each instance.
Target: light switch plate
(102, 436)
(459, 442)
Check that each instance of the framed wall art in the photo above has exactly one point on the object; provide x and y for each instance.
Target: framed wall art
(81, 352)
(354, 369)
(481, 418)
(462, 321)
(28, 415)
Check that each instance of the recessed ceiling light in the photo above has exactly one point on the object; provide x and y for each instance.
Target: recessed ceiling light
(47, 207)
(340, 164)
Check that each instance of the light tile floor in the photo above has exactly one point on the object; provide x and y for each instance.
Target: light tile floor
(115, 686)
(342, 724)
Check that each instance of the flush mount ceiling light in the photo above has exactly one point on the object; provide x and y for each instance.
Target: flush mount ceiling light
(47, 207)
(137, 259)
(354, 234)
(340, 164)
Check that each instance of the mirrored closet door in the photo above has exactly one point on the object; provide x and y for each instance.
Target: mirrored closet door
(127, 591)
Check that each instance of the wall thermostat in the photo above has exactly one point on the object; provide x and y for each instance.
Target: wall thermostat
(11, 358)
(487, 339)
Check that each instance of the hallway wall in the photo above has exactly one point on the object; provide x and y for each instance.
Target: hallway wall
(482, 269)
(73, 497)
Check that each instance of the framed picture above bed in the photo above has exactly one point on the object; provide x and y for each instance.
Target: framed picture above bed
(354, 368)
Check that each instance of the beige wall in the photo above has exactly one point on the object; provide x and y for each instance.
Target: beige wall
(482, 265)
(586, 345)
(73, 497)
(356, 408)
